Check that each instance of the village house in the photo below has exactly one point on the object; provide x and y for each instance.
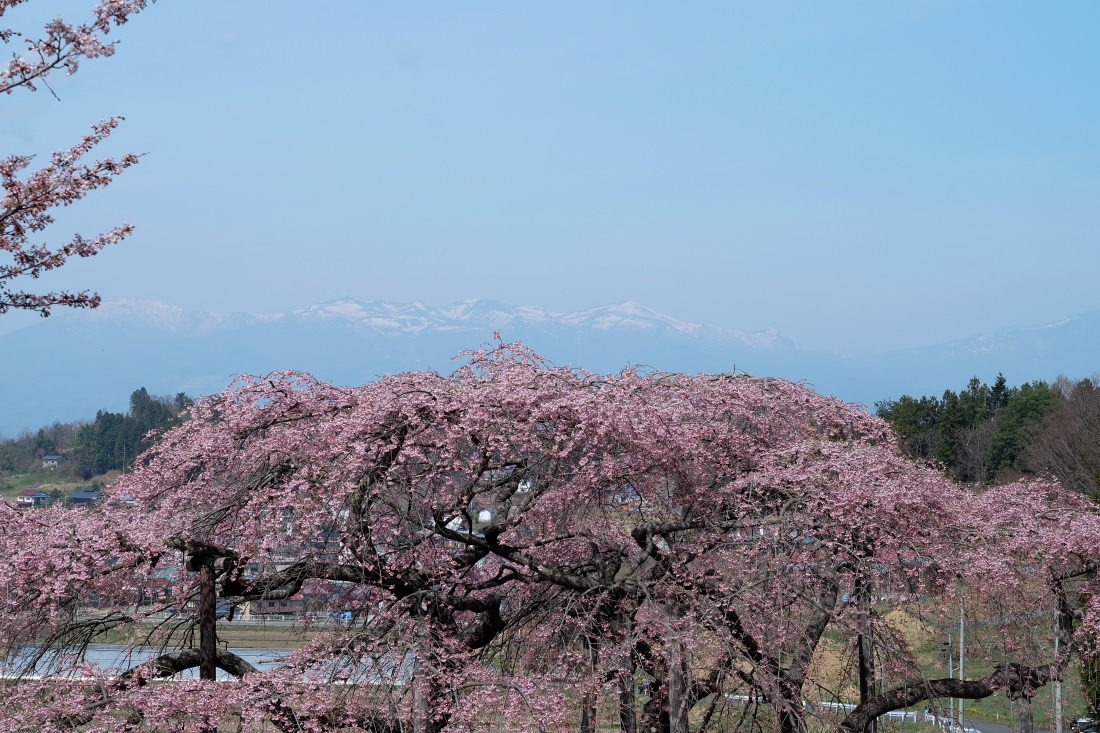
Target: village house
(85, 497)
(281, 609)
(31, 498)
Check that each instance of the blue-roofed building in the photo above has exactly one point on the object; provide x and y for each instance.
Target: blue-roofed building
(86, 497)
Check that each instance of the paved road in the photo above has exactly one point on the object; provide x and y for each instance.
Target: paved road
(986, 727)
(983, 726)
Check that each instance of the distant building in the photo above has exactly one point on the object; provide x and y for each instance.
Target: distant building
(32, 497)
(52, 461)
(85, 497)
(293, 607)
(156, 590)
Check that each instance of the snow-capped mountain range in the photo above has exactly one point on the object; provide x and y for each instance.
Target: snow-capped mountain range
(416, 317)
(71, 365)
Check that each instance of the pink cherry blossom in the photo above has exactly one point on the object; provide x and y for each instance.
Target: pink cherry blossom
(522, 542)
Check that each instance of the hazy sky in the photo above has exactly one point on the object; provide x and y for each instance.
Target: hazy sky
(859, 175)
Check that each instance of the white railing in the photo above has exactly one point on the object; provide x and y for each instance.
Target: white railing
(947, 724)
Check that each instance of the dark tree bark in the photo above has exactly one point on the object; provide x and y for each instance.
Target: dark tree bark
(679, 687)
(167, 665)
(588, 701)
(628, 716)
(866, 649)
(163, 666)
(208, 630)
(1025, 720)
(654, 717)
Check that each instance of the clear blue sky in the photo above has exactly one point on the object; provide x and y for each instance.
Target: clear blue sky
(859, 175)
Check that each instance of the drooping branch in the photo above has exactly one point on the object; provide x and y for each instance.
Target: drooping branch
(1015, 679)
(167, 665)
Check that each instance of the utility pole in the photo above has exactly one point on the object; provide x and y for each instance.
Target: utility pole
(1057, 682)
(962, 657)
(950, 649)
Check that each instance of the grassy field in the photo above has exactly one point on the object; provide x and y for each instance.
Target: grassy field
(48, 481)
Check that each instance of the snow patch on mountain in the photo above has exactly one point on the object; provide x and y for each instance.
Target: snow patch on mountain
(1015, 337)
(150, 312)
(630, 315)
(769, 338)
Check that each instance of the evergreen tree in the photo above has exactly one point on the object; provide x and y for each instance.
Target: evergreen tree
(948, 428)
(914, 421)
(114, 440)
(1024, 408)
(998, 395)
(974, 403)
(973, 433)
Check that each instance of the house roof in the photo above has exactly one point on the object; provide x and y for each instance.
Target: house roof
(32, 492)
(52, 457)
(81, 494)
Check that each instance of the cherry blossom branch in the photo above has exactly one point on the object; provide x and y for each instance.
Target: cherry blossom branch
(28, 197)
(63, 45)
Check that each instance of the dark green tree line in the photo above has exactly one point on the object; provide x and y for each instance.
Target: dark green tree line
(113, 440)
(974, 433)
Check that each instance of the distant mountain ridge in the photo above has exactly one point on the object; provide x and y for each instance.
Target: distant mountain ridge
(416, 317)
(75, 363)
(479, 314)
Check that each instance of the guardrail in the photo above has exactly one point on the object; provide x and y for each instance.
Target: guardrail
(947, 724)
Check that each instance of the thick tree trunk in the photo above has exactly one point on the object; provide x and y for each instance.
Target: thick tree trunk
(655, 711)
(1025, 720)
(208, 630)
(421, 719)
(588, 714)
(628, 716)
(792, 721)
(679, 687)
(867, 674)
(208, 627)
(628, 701)
(589, 700)
(866, 650)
